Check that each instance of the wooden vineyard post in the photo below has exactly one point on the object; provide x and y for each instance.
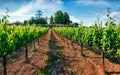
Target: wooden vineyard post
(26, 53)
(4, 62)
(72, 37)
(102, 59)
(38, 41)
(102, 54)
(72, 42)
(65, 40)
(81, 47)
(34, 44)
(61, 38)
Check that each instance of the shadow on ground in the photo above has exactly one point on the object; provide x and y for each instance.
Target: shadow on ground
(56, 62)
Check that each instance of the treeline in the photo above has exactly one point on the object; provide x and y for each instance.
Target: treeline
(61, 18)
(36, 21)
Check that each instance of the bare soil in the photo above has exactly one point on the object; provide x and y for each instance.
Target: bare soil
(90, 64)
(56, 55)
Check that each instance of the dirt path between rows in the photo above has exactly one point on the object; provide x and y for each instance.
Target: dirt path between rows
(56, 55)
(56, 60)
(79, 64)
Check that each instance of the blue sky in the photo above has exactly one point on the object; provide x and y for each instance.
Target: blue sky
(85, 10)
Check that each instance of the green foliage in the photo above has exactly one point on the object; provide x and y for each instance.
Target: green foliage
(36, 21)
(25, 22)
(107, 38)
(14, 37)
(40, 21)
(61, 18)
(58, 17)
(51, 20)
(66, 18)
(32, 21)
(110, 20)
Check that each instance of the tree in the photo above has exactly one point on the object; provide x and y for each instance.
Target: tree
(25, 22)
(32, 21)
(58, 17)
(40, 21)
(51, 20)
(2, 20)
(43, 21)
(75, 24)
(66, 19)
(38, 13)
(17, 23)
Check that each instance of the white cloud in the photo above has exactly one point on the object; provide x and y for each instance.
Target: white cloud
(23, 9)
(49, 5)
(86, 21)
(93, 2)
(89, 21)
(115, 14)
(74, 19)
(52, 5)
(2, 14)
(59, 1)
